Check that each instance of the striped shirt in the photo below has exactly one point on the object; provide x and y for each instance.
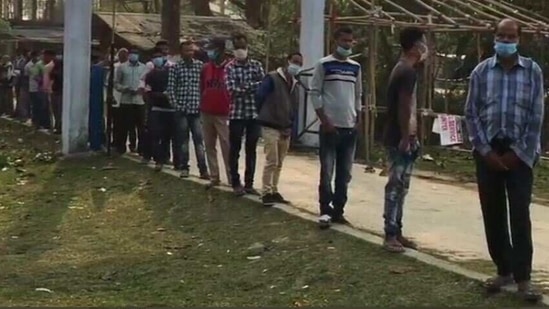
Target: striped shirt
(336, 87)
(506, 104)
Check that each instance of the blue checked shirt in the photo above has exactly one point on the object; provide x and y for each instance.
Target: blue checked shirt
(183, 88)
(506, 104)
(242, 80)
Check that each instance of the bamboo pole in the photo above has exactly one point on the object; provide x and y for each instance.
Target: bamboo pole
(371, 104)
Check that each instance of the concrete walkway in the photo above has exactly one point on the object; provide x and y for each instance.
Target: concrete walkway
(440, 217)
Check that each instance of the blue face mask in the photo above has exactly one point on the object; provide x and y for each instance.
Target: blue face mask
(293, 69)
(212, 54)
(344, 51)
(158, 62)
(505, 49)
(133, 57)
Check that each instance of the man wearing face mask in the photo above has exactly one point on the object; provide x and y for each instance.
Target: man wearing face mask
(184, 93)
(214, 108)
(161, 121)
(277, 101)
(127, 81)
(244, 75)
(336, 95)
(400, 136)
(504, 116)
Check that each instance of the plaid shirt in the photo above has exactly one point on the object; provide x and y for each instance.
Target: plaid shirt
(184, 86)
(504, 104)
(242, 80)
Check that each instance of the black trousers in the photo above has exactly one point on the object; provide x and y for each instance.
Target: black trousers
(161, 130)
(495, 189)
(129, 116)
(237, 130)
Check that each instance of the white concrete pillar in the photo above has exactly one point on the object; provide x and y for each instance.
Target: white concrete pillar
(312, 47)
(76, 73)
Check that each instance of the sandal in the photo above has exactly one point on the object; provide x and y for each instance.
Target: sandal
(495, 284)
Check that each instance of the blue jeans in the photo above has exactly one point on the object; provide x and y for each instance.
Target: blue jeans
(184, 125)
(40, 107)
(337, 153)
(400, 166)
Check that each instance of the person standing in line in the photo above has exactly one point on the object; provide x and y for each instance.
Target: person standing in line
(39, 105)
(277, 102)
(184, 93)
(7, 74)
(214, 109)
(22, 109)
(56, 77)
(336, 95)
(127, 81)
(120, 58)
(48, 58)
(243, 77)
(400, 136)
(161, 120)
(504, 115)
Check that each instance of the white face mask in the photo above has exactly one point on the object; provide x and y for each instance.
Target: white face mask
(293, 69)
(241, 54)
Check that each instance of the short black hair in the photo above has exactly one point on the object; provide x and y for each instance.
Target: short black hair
(342, 30)
(160, 43)
(291, 55)
(34, 53)
(409, 36)
(240, 36)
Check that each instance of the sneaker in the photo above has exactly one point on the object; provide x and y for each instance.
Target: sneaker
(324, 221)
(269, 200)
(407, 243)
(391, 244)
(495, 284)
(340, 220)
(252, 191)
(184, 174)
(280, 199)
(239, 191)
(158, 167)
(528, 292)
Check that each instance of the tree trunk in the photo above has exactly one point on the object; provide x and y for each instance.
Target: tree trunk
(171, 22)
(18, 9)
(49, 13)
(201, 7)
(254, 12)
(146, 7)
(156, 6)
(34, 9)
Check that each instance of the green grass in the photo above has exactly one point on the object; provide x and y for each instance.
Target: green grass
(126, 236)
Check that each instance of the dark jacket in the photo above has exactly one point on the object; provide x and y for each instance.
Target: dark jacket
(157, 79)
(277, 101)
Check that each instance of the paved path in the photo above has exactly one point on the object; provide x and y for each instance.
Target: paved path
(440, 217)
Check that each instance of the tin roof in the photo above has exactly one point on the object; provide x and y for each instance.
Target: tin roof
(143, 30)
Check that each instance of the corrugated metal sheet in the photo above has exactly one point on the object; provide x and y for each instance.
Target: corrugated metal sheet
(143, 30)
(43, 34)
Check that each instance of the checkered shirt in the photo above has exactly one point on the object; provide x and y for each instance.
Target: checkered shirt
(503, 104)
(184, 86)
(242, 80)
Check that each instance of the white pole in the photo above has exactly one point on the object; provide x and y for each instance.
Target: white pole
(76, 73)
(312, 47)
